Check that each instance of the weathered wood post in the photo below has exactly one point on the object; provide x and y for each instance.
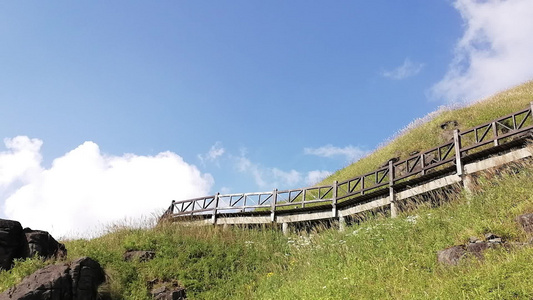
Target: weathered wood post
(334, 199)
(273, 206)
(334, 210)
(457, 146)
(465, 178)
(393, 205)
(303, 197)
(285, 228)
(215, 210)
(495, 132)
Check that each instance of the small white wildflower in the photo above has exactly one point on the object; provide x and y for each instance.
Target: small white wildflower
(411, 219)
(324, 287)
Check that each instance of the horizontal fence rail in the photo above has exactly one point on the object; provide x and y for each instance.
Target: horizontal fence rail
(450, 154)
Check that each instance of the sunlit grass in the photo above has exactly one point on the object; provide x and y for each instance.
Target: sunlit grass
(381, 258)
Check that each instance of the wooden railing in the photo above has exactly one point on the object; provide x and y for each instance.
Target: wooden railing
(465, 144)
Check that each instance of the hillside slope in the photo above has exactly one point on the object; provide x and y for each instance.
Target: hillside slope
(426, 133)
(380, 258)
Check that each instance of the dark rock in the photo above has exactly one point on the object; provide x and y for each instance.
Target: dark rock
(41, 243)
(449, 124)
(18, 243)
(526, 221)
(452, 255)
(139, 255)
(12, 243)
(77, 281)
(166, 290)
(476, 249)
(87, 275)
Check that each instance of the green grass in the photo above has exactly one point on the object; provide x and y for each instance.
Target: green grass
(396, 258)
(381, 258)
(425, 134)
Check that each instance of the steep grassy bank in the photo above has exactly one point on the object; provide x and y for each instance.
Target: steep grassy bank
(396, 258)
(425, 133)
(381, 258)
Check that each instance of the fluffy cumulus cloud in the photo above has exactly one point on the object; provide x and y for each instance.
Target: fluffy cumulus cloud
(351, 153)
(406, 70)
(494, 52)
(85, 189)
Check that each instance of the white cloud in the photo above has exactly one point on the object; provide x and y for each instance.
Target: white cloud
(350, 152)
(407, 69)
(213, 154)
(85, 189)
(314, 177)
(494, 53)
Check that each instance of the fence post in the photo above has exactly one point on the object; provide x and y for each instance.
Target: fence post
(393, 206)
(495, 131)
(214, 216)
(273, 205)
(303, 197)
(457, 145)
(334, 199)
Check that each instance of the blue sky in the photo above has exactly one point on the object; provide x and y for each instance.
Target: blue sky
(153, 101)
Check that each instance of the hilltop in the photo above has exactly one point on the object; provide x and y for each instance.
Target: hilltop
(379, 258)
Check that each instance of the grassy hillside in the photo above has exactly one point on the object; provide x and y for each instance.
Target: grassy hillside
(381, 258)
(425, 133)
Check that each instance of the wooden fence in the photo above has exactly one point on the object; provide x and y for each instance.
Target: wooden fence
(467, 146)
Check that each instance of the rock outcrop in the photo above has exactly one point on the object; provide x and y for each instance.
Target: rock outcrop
(16, 242)
(12, 242)
(76, 281)
(142, 256)
(164, 290)
(41, 243)
(474, 248)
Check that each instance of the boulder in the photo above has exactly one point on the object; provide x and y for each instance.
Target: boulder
(77, 281)
(12, 243)
(41, 243)
(476, 249)
(526, 222)
(452, 255)
(18, 243)
(87, 275)
(141, 256)
(166, 290)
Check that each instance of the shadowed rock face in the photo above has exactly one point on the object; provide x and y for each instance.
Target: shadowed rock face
(12, 242)
(18, 243)
(41, 243)
(76, 281)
